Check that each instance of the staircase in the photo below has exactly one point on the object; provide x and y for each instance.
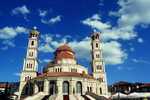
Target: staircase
(94, 96)
(38, 96)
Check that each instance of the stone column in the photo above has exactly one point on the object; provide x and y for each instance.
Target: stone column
(36, 89)
(94, 87)
(84, 86)
(72, 87)
(46, 86)
(59, 87)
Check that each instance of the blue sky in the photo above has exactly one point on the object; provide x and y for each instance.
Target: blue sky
(124, 27)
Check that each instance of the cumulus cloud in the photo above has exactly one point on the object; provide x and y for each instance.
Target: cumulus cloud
(133, 12)
(7, 34)
(95, 22)
(48, 44)
(23, 10)
(11, 32)
(108, 31)
(113, 54)
(42, 13)
(51, 20)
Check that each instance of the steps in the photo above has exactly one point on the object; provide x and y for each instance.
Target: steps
(38, 96)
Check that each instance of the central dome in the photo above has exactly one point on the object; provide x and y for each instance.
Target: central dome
(64, 52)
(64, 47)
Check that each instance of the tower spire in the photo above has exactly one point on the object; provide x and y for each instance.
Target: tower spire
(30, 65)
(98, 66)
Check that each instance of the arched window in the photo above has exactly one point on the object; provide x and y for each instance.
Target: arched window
(96, 45)
(101, 80)
(99, 67)
(32, 43)
(100, 90)
(27, 65)
(66, 88)
(97, 36)
(97, 55)
(79, 87)
(30, 54)
(27, 78)
(88, 89)
(30, 65)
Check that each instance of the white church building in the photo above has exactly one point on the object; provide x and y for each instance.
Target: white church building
(63, 78)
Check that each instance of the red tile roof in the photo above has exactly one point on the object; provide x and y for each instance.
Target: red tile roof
(4, 85)
(65, 74)
(64, 52)
(64, 47)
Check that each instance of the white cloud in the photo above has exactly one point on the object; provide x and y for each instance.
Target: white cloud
(140, 61)
(140, 40)
(45, 48)
(52, 20)
(8, 43)
(109, 32)
(96, 23)
(23, 10)
(113, 54)
(11, 32)
(42, 13)
(133, 12)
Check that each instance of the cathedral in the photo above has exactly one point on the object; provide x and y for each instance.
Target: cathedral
(63, 78)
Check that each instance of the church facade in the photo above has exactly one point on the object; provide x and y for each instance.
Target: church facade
(63, 76)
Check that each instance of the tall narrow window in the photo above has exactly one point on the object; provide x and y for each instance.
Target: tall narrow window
(99, 67)
(97, 36)
(31, 54)
(97, 45)
(97, 55)
(100, 90)
(32, 43)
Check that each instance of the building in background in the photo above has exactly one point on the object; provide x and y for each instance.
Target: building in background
(127, 88)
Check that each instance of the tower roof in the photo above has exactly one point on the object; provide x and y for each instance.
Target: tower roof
(34, 32)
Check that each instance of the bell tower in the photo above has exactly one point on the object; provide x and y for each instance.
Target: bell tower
(30, 65)
(98, 66)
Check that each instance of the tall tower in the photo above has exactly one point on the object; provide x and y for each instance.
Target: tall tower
(98, 66)
(30, 65)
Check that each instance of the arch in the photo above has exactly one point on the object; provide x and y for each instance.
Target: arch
(66, 88)
(100, 90)
(40, 85)
(52, 87)
(96, 45)
(28, 89)
(79, 87)
(32, 43)
(90, 89)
